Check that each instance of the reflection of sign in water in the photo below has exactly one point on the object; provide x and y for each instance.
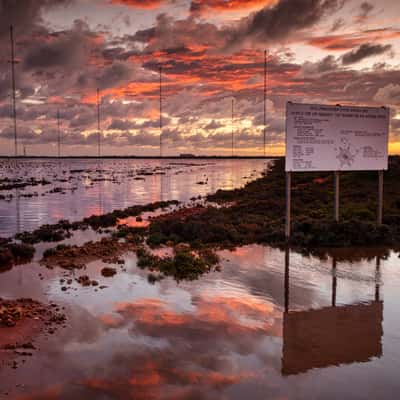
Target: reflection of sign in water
(331, 138)
(331, 336)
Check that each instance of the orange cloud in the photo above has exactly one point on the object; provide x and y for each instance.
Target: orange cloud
(144, 4)
(202, 6)
(349, 41)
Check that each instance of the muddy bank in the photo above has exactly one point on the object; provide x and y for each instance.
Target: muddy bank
(76, 257)
(12, 253)
(185, 264)
(64, 228)
(21, 321)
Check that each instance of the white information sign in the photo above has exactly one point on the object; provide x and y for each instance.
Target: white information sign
(336, 138)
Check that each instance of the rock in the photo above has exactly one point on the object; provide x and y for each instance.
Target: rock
(84, 280)
(108, 272)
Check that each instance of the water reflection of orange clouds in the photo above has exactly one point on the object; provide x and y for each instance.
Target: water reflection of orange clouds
(154, 380)
(234, 315)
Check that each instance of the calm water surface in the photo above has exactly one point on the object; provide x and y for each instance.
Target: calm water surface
(80, 188)
(270, 325)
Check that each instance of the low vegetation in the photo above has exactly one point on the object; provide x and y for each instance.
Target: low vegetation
(256, 213)
(183, 265)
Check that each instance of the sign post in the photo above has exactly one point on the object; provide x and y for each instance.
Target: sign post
(288, 203)
(337, 194)
(335, 138)
(380, 197)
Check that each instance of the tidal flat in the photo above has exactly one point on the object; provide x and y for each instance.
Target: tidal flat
(172, 279)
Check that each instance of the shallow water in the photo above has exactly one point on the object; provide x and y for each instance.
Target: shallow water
(84, 187)
(270, 325)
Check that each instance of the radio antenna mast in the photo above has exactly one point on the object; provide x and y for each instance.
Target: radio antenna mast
(232, 124)
(98, 124)
(58, 133)
(161, 153)
(265, 99)
(14, 108)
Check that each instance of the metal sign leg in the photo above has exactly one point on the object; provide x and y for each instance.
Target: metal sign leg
(337, 196)
(288, 204)
(380, 197)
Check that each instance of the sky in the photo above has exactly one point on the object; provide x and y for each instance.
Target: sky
(211, 53)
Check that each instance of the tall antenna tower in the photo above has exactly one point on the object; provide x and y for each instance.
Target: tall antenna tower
(14, 108)
(58, 133)
(161, 153)
(265, 99)
(98, 123)
(232, 125)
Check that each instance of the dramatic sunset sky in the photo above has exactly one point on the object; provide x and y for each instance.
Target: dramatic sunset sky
(324, 51)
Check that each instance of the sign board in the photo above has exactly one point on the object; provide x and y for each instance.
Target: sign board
(336, 138)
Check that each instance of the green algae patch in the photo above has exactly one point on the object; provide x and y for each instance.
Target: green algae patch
(183, 265)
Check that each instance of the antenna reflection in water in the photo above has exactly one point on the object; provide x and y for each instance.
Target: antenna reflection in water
(331, 335)
(165, 182)
(100, 187)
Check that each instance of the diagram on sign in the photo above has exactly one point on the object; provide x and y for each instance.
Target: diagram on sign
(345, 154)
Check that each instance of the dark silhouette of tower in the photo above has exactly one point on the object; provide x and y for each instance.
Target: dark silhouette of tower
(161, 152)
(14, 108)
(58, 133)
(232, 125)
(265, 100)
(98, 125)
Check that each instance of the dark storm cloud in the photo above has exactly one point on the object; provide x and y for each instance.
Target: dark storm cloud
(327, 64)
(121, 124)
(63, 49)
(124, 125)
(169, 33)
(25, 14)
(269, 24)
(365, 10)
(144, 35)
(337, 24)
(388, 94)
(286, 17)
(364, 51)
(28, 136)
(115, 74)
(84, 119)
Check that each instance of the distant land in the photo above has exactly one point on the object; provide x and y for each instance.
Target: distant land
(185, 157)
